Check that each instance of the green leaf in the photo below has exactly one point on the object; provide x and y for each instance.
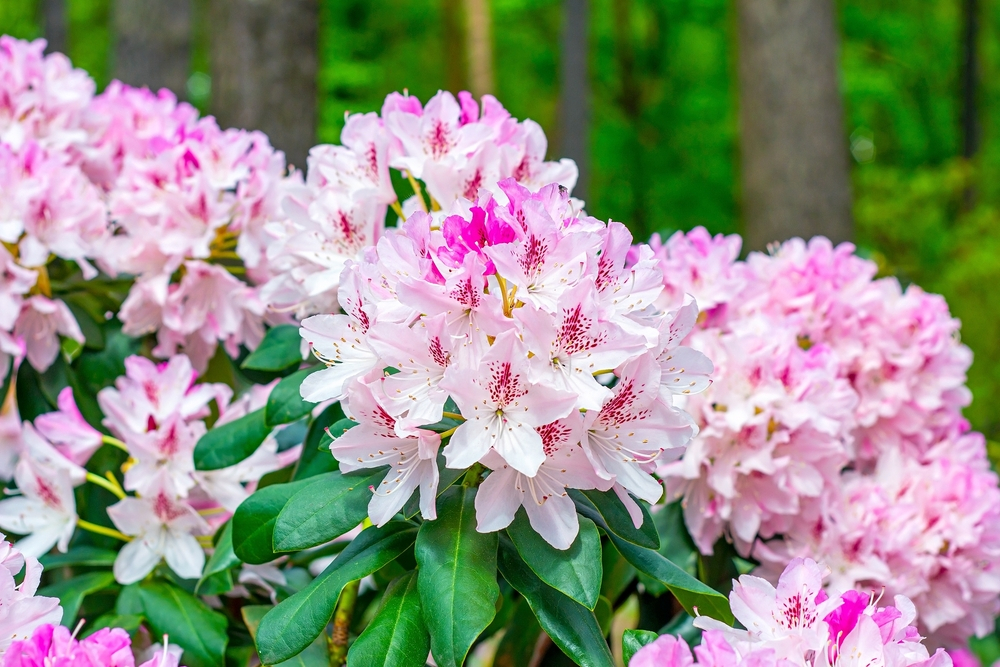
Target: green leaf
(315, 655)
(313, 461)
(285, 403)
(618, 572)
(72, 591)
(520, 638)
(321, 512)
(675, 545)
(31, 400)
(92, 334)
(633, 640)
(127, 622)
(8, 377)
(230, 443)
(253, 522)
(98, 369)
(691, 593)
(397, 636)
(188, 621)
(129, 602)
(575, 572)
(289, 628)
(279, 350)
(606, 510)
(457, 576)
(572, 627)
(83, 555)
(222, 558)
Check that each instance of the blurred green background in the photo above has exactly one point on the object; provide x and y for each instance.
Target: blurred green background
(664, 152)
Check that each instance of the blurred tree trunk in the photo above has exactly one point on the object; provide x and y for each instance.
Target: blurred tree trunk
(54, 25)
(453, 34)
(796, 176)
(153, 43)
(263, 62)
(574, 102)
(479, 40)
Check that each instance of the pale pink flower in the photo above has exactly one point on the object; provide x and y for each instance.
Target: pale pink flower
(54, 646)
(22, 611)
(68, 431)
(41, 322)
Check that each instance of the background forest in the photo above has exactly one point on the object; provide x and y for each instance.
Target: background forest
(663, 141)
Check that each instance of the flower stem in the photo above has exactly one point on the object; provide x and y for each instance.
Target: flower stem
(417, 191)
(473, 475)
(399, 210)
(113, 487)
(102, 530)
(114, 442)
(453, 415)
(445, 434)
(337, 644)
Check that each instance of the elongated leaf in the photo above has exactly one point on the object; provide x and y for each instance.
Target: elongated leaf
(675, 545)
(457, 576)
(691, 593)
(313, 461)
(253, 522)
(289, 628)
(397, 636)
(315, 655)
(128, 622)
(72, 591)
(7, 373)
(633, 640)
(188, 621)
(222, 558)
(572, 627)
(520, 640)
(607, 511)
(279, 350)
(285, 403)
(230, 443)
(575, 572)
(327, 509)
(82, 555)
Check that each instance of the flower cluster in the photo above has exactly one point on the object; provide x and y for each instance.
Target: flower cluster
(21, 611)
(519, 324)
(157, 413)
(798, 625)
(54, 646)
(834, 427)
(453, 147)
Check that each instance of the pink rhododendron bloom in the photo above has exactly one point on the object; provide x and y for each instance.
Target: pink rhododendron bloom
(797, 623)
(41, 322)
(11, 442)
(522, 313)
(53, 646)
(21, 611)
(68, 431)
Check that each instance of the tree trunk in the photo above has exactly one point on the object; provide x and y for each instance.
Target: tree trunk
(54, 25)
(574, 109)
(479, 40)
(263, 62)
(796, 176)
(153, 43)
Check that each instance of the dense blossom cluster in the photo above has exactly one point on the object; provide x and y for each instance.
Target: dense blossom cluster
(453, 146)
(54, 646)
(798, 625)
(21, 611)
(158, 413)
(521, 316)
(834, 429)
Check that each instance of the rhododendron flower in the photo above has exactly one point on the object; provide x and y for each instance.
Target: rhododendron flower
(521, 313)
(68, 431)
(22, 611)
(162, 527)
(798, 624)
(54, 646)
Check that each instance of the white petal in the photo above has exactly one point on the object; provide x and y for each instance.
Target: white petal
(184, 555)
(135, 561)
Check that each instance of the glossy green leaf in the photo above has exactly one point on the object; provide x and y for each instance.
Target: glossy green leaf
(31, 401)
(83, 555)
(313, 461)
(457, 576)
(314, 655)
(691, 593)
(72, 591)
(633, 640)
(285, 403)
(675, 544)
(91, 330)
(98, 369)
(232, 442)
(606, 510)
(189, 622)
(572, 627)
(289, 628)
(618, 572)
(397, 635)
(253, 522)
(520, 638)
(222, 558)
(127, 622)
(575, 572)
(280, 349)
(320, 512)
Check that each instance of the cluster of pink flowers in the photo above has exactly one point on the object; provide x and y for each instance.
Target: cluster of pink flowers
(798, 625)
(158, 413)
(21, 611)
(834, 428)
(453, 147)
(54, 646)
(519, 324)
